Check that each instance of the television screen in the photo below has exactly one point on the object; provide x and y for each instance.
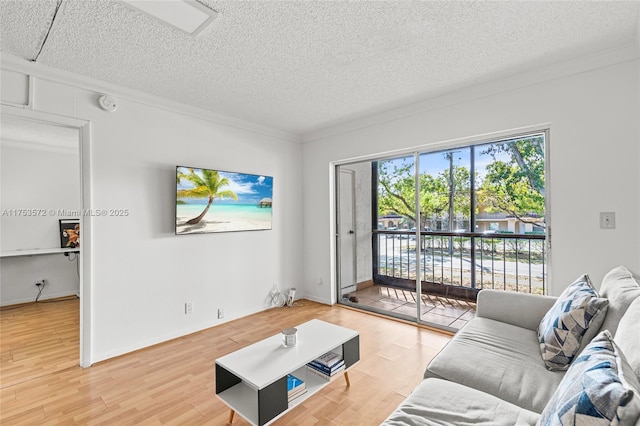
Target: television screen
(218, 201)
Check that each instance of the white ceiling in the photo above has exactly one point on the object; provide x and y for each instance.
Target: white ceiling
(300, 66)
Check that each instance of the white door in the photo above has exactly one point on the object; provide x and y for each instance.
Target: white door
(346, 232)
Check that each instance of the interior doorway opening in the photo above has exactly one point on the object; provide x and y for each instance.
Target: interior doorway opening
(57, 147)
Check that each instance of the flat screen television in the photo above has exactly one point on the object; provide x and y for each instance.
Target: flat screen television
(210, 200)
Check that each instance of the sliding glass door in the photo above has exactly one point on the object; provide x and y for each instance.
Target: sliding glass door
(434, 228)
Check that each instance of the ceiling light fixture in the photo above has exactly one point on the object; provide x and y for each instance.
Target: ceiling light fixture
(189, 16)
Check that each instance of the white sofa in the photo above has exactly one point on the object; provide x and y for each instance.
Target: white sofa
(492, 372)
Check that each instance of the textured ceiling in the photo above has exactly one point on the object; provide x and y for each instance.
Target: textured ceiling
(300, 66)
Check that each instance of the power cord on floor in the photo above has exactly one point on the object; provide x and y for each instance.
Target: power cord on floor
(276, 298)
(73, 257)
(40, 289)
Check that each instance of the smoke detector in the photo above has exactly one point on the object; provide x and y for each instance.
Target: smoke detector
(107, 103)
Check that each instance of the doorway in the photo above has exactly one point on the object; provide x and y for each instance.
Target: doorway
(40, 240)
(346, 235)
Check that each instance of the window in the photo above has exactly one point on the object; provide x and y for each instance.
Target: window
(486, 206)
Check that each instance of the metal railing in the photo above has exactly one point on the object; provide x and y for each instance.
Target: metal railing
(459, 264)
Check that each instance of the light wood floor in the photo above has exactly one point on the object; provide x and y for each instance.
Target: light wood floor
(38, 339)
(174, 382)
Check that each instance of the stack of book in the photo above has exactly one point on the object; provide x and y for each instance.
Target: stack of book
(295, 387)
(327, 365)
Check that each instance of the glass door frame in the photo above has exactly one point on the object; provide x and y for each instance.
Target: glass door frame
(434, 148)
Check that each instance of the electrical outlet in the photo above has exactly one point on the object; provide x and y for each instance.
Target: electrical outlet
(607, 220)
(40, 283)
(188, 308)
(220, 313)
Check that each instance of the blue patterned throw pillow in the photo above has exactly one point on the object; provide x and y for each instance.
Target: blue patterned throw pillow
(598, 389)
(562, 329)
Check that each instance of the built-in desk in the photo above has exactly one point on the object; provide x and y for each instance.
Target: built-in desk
(37, 252)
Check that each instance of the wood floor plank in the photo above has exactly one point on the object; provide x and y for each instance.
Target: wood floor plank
(38, 339)
(174, 383)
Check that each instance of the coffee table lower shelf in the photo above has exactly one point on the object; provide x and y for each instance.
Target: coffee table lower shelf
(243, 399)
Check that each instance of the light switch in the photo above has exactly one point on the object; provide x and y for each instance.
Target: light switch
(607, 220)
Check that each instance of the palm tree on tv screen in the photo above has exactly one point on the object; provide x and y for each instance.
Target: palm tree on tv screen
(209, 185)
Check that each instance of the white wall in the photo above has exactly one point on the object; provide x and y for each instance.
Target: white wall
(42, 178)
(142, 273)
(593, 117)
(19, 274)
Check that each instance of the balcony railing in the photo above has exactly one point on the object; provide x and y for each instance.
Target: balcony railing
(459, 264)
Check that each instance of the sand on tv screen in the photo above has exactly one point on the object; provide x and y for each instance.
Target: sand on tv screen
(218, 201)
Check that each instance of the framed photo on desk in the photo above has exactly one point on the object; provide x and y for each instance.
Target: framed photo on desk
(69, 233)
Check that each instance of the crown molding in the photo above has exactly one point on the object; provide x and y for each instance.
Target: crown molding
(13, 63)
(622, 53)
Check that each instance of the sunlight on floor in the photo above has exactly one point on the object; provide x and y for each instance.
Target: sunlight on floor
(436, 310)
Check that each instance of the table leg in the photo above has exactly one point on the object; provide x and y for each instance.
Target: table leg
(231, 415)
(346, 377)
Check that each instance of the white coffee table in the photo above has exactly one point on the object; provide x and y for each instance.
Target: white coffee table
(252, 381)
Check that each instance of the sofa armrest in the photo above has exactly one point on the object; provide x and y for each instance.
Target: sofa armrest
(519, 309)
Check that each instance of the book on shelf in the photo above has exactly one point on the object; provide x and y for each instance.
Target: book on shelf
(329, 359)
(321, 373)
(324, 368)
(294, 384)
(295, 387)
(297, 393)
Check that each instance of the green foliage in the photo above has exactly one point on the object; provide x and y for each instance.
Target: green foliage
(396, 191)
(208, 185)
(515, 187)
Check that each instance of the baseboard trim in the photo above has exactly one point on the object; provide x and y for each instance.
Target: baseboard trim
(49, 300)
(318, 300)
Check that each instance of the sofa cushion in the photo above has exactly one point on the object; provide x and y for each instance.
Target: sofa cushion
(439, 402)
(563, 328)
(621, 288)
(598, 389)
(500, 359)
(520, 309)
(628, 336)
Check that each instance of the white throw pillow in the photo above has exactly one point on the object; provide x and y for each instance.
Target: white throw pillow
(628, 336)
(620, 288)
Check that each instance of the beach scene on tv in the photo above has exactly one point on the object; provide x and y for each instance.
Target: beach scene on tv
(218, 201)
